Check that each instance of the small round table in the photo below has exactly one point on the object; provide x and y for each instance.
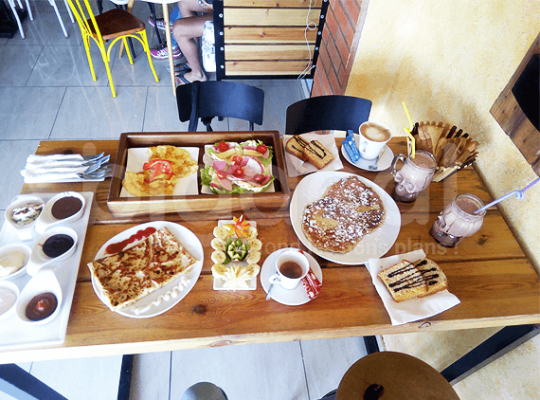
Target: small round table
(402, 377)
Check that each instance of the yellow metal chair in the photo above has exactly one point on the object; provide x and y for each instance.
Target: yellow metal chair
(112, 25)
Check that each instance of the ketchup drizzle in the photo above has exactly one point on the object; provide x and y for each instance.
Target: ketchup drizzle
(118, 247)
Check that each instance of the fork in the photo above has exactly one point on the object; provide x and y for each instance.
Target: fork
(102, 173)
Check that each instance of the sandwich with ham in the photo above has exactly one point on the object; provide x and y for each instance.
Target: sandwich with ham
(232, 167)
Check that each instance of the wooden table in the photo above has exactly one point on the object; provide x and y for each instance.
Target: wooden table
(488, 272)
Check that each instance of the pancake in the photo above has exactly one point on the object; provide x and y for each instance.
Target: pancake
(352, 190)
(348, 211)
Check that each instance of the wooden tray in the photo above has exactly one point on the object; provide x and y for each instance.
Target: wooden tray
(219, 204)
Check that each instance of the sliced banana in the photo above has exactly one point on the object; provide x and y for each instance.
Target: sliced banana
(253, 257)
(253, 269)
(221, 232)
(217, 244)
(219, 270)
(254, 244)
(218, 257)
(252, 232)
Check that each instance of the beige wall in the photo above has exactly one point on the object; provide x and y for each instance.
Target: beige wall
(449, 60)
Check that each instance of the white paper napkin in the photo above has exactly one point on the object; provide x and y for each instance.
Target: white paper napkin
(414, 309)
(297, 167)
(55, 168)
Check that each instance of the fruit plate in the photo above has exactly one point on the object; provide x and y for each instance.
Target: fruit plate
(219, 283)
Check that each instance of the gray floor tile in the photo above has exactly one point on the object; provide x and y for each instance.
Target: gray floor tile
(255, 372)
(81, 379)
(68, 66)
(151, 376)
(45, 28)
(327, 360)
(17, 63)
(13, 154)
(161, 114)
(92, 113)
(28, 113)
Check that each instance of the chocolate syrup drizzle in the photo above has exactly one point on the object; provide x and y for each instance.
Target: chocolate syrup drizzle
(416, 279)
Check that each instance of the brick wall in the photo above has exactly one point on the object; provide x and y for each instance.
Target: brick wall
(338, 47)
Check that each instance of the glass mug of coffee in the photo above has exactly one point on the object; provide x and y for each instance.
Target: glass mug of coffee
(373, 138)
(414, 176)
(458, 220)
(291, 267)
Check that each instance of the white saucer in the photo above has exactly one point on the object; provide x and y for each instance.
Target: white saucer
(294, 297)
(382, 165)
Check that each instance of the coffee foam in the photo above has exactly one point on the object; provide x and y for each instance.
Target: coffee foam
(375, 132)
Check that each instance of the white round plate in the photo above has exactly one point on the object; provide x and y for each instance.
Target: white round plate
(165, 298)
(294, 297)
(382, 165)
(372, 245)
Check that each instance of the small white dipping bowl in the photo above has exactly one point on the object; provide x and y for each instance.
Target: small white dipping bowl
(38, 259)
(44, 281)
(46, 219)
(16, 248)
(25, 231)
(6, 307)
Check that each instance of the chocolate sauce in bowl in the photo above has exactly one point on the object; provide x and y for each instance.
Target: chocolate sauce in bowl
(65, 207)
(57, 245)
(41, 306)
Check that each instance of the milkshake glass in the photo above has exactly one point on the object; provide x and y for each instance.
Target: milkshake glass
(414, 176)
(458, 220)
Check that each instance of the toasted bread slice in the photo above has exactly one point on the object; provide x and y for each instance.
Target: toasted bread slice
(317, 154)
(296, 146)
(403, 281)
(407, 280)
(433, 275)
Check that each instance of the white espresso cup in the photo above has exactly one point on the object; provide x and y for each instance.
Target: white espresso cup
(291, 267)
(373, 138)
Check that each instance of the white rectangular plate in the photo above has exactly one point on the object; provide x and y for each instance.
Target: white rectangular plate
(15, 333)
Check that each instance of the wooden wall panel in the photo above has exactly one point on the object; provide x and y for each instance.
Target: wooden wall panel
(262, 52)
(234, 34)
(268, 17)
(236, 68)
(273, 3)
(513, 121)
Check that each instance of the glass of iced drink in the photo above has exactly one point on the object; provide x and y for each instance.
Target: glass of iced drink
(458, 220)
(414, 176)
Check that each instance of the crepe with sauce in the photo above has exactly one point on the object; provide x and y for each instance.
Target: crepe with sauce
(129, 275)
(161, 173)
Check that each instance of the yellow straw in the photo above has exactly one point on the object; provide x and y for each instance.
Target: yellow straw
(410, 136)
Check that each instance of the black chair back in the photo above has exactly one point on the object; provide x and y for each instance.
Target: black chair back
(326, 113)
(206, 100)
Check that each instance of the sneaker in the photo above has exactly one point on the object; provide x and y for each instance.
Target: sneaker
(160, 23)
(163, 54)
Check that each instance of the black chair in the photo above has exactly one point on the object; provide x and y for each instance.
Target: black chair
(326, 113)
(206, 100)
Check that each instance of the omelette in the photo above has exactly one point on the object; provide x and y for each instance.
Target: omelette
(166, 164)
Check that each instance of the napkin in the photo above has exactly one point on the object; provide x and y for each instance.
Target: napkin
(297, 167)
(55, 168)
(414, 309)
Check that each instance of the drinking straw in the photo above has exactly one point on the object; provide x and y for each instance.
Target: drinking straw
(520, 194)
(410, 136)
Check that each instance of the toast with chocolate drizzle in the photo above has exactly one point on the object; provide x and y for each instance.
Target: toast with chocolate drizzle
(406, 280)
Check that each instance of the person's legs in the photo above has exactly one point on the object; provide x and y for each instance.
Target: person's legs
(204, 391)
(186, 31)
(161, 53)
